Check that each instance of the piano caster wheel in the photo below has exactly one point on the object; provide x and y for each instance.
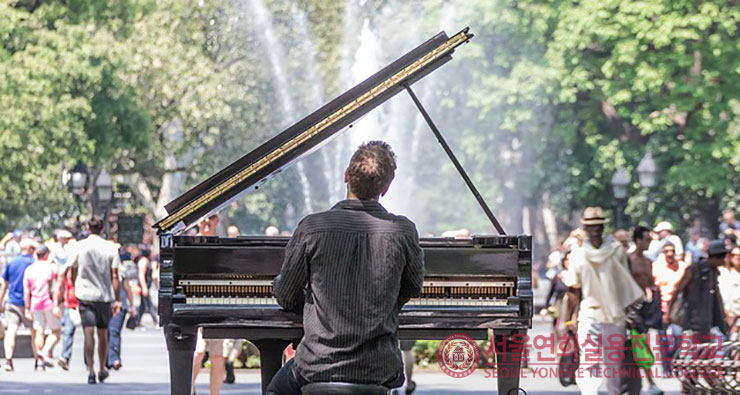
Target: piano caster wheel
(517, 391)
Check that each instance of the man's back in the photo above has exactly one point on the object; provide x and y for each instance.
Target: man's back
(361, 264)
(94, 257)
(37, 278)
(13, 275)
(704, 308)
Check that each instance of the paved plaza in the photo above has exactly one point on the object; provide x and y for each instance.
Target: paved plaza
(145, 371)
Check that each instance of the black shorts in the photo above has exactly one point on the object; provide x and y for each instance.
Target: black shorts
(651, 314)
(95, 314)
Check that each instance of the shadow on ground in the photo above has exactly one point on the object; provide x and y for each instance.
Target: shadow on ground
(114, 388)
(163, 389)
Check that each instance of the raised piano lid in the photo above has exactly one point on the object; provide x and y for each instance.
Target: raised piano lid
(308, 134)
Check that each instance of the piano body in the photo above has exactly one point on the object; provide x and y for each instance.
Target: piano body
(224, 285)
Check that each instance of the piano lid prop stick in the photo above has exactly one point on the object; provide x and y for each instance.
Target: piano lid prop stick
(454, 160)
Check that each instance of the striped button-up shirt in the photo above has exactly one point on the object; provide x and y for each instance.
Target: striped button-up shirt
(350, 269)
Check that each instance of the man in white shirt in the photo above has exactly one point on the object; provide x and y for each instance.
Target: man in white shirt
(95, 261)
(664, 230)
(600, 271)
(60, 251)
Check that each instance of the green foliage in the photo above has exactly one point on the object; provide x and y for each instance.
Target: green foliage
(63, 99)
(425, 352)
(582, 88)
(657, 73)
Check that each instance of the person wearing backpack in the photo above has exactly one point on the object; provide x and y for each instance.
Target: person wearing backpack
(702, 299)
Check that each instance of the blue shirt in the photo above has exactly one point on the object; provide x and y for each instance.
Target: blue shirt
(696, 252)
(13, 275)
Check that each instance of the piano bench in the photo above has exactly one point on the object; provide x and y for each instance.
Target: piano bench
(343, 389)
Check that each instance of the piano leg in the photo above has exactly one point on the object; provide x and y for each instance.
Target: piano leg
(509, 354)
(181, 346)
(271, 358)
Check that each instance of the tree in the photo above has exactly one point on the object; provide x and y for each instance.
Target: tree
(661, 74)
(63, 98)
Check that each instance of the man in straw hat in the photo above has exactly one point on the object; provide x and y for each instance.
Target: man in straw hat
(600, 271)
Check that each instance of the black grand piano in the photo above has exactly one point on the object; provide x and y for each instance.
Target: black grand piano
(480, 286)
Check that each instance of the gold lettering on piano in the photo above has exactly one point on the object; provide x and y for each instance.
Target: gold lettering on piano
(314, 130)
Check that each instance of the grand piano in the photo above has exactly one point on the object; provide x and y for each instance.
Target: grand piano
(480, 286)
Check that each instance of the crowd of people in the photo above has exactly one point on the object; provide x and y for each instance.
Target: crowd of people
(644, 280)
(55, 286)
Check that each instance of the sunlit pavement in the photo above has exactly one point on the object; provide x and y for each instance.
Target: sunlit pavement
(145, 371)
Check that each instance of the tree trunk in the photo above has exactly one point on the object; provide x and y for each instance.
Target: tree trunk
(711, 214)
(173, 180)
(175, 174)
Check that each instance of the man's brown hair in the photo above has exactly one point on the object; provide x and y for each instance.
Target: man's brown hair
(371, 169)
(95, 225)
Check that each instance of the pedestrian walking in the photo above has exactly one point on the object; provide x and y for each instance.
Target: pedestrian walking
(623, 237)
(664, 234)
(37, 285)
(729, 225)
(729, 283)
(694, 247)
(702, 301)
(556, 304)
(128, 271)
(702, 296)
(214, 347)
(64, 292)
(667, 273)
(650, 313)
(145, 269)
(11, 243)
(600, 270)
(62, 248)
(15, 311)
(233, 347)
(96, 263)
(70, 313)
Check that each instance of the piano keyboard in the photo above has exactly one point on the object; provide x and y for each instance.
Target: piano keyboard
(232, 301)
(413, 302)
(435, 292)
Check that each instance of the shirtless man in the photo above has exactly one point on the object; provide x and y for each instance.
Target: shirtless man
(641, 266)
(642, 272)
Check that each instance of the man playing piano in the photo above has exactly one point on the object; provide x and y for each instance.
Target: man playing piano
(349, 270)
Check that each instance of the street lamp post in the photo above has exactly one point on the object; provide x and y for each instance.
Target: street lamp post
(78, 179)
(77, 184)
(647, 172)
(104, 194)
(619, 185)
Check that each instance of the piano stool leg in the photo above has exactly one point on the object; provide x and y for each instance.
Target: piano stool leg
(509, 354)
(271, 358)
(181, 346)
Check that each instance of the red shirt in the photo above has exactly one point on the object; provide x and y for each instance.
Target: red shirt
(70, 300)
